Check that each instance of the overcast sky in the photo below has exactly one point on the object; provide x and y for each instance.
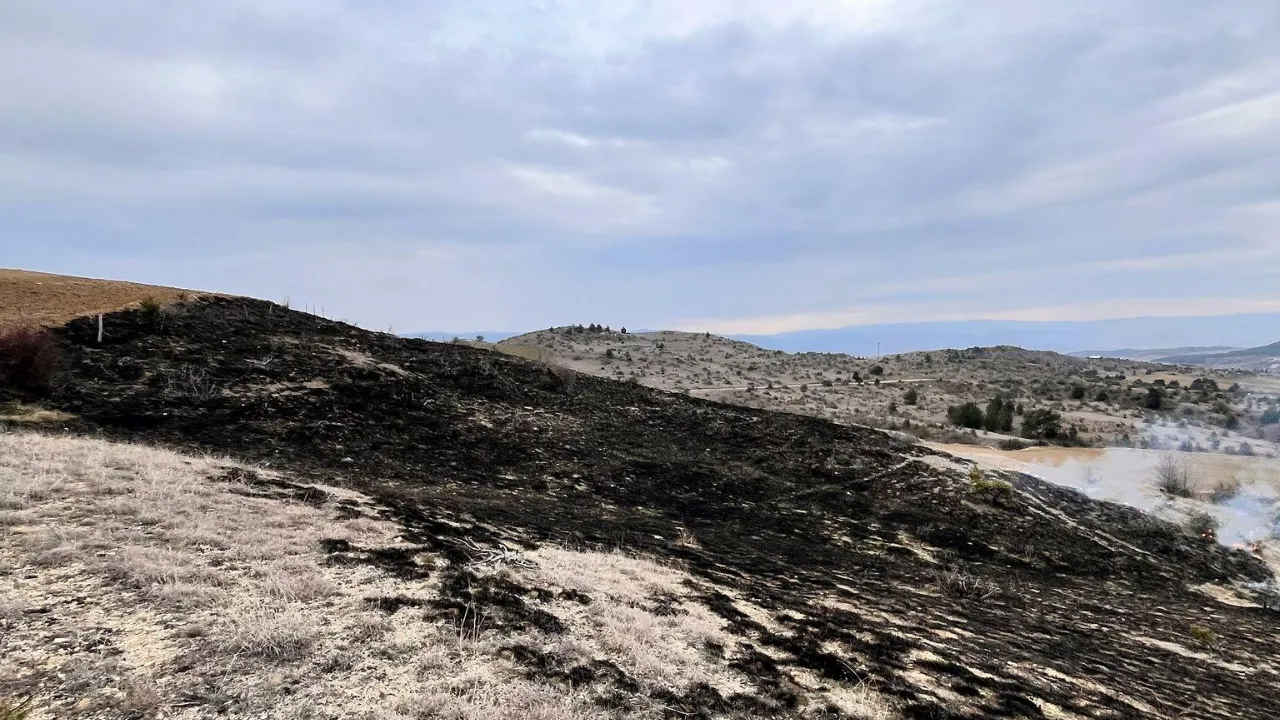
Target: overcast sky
(744, 166)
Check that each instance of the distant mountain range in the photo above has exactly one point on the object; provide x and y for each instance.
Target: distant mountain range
(1153, 354)
(1179, 336)
(1257, 358)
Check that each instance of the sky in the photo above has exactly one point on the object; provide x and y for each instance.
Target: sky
(744, 166)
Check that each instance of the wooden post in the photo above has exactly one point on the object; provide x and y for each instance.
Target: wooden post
(99, 328)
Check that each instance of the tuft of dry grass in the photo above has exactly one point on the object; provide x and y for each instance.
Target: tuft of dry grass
(279, 632)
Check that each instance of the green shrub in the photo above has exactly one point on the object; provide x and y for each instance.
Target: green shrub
(911, 397)
(991, 490)
(1203, 635)
(967, 415)
(1041, 424)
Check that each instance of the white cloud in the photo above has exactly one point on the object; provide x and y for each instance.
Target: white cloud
(812, 162)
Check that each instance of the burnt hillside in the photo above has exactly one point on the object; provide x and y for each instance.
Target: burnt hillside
(878, 560)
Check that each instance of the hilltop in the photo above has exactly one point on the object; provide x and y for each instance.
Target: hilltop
(481, 535)
(34, 298)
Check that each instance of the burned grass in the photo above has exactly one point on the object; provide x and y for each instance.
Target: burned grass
(799, 596)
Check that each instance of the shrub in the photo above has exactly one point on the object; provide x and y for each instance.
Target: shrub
(1155, 398)
(1012, 444)
(150, 305)
(967, 415)
(876, 370)
(993, 491)
(960, 584)
(1202, 525)
(911, 397)
(1172, 476)
(1203, 635)
(28, 358)
(1077, 392)
(1041, 424)
(1271, 416)
(1224, 490)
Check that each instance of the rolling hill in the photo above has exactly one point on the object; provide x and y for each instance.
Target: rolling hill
(446, 530)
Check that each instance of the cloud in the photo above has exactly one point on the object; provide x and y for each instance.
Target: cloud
(644, 162)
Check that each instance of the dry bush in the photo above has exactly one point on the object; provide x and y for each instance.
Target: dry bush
(960, 584)
(1202, 525)
(29, 358)
(1173, 477)
(1225, 490)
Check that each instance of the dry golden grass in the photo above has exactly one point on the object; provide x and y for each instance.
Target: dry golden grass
(164, 588)
(32, 298)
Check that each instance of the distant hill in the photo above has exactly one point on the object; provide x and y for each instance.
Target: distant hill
(492, 336)
(1227, 331)
(1152, 354)
(1256, 358)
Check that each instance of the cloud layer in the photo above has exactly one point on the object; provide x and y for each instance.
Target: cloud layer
(747, 166)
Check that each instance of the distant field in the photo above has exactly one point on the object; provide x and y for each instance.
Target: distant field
(31, 298)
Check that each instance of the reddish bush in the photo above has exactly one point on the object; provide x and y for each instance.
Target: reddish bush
(28, 357)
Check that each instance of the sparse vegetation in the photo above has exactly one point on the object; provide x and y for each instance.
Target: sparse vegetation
(911, 396)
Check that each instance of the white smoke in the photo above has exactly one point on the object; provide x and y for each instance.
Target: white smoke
(1128, 476)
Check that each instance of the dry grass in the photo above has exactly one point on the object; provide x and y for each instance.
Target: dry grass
(31, 298)
(23, 413)
(262, 628)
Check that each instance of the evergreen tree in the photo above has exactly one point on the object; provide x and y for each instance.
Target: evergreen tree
(991, 420)
(1006, 416)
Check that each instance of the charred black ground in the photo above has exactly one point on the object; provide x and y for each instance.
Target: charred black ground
(1057, 599)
